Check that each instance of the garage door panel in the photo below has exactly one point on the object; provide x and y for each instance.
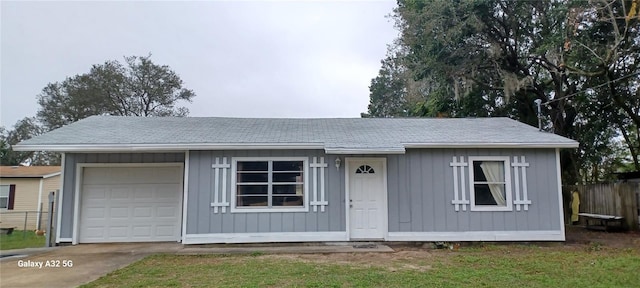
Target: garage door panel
(119, 231)
(120, 193)
(118, 175)
(160, 175)
(141, 212)
(93, 192)
(164, 192)
(167, 211)
(142, 207)
(96, 176)
(156, 193)
(94, 213)
(116, 213)
(144, 192)
(167, 175)
(142, 231)
(93, 232)
(131, 175)
(165, 230)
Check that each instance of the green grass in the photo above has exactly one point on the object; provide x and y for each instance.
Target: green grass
(492, 266)
(18, 240)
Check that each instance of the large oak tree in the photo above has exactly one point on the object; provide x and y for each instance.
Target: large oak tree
(494, 57)
(137, 87)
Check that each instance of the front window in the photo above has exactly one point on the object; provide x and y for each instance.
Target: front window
(490, 184)
(269, 184)
(4, 196)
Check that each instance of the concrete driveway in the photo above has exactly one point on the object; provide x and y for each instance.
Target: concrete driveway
(71, 266)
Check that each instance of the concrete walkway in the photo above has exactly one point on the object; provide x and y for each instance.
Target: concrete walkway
(285, 249)
(71, 266)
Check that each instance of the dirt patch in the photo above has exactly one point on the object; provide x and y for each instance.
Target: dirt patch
(417, 260)
(578, 235)
(420, 256)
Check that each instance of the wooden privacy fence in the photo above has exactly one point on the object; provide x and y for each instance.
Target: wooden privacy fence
(618, 199)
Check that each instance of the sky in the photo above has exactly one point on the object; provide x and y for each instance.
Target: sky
(303, 59)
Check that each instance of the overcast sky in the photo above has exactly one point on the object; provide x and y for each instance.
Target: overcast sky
(242, 59)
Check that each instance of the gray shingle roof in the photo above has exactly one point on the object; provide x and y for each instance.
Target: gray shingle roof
(392, 134)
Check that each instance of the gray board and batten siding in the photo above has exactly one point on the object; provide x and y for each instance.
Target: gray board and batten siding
(70, 164)
(420, 192)
(201, 218)
(420, 187)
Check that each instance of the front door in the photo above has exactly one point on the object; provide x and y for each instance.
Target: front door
(367, 207)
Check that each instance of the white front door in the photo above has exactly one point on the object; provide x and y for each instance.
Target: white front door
(367, 207)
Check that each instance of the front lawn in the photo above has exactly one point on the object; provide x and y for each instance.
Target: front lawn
(490, 266)
(21, 239)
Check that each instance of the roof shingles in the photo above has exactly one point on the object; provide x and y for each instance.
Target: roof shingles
(28, 171)
(353, 133)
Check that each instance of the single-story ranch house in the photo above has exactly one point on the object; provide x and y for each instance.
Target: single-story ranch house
(238, 180)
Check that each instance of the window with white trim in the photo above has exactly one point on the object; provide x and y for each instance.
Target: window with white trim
(490, 183)
(269, 184)
(4, 196)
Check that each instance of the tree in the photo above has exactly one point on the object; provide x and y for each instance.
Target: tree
(5, 148)
(494, 57)
(388, 96)
(136, 88)
(24, 129)
(603, 46)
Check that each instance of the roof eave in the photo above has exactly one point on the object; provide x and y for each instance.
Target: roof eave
(177, 147)
(492, 145)
(32, 176)
(51, 175)
(180, 147)
(344, 151)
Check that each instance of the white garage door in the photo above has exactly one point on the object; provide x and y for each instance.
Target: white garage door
(130, 204)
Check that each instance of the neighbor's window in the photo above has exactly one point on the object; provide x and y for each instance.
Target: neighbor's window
(274, 184)
(4, 196)
(490, 184)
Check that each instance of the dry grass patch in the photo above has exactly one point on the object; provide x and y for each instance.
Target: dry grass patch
(491, 266)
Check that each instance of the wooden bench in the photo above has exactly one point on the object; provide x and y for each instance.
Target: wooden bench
(603, 222)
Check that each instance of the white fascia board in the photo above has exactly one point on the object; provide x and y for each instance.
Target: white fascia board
(348, 151)
(274, 146)
(176, 147)
(51, 175)
(491, 145)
